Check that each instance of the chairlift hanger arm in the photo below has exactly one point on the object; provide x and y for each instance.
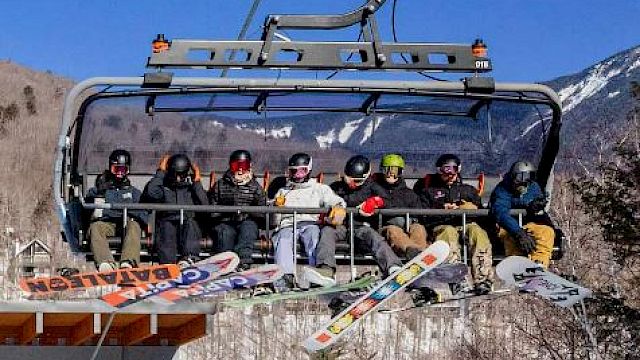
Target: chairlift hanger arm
(267, 53)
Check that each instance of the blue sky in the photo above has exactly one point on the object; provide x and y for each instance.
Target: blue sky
(528, 40)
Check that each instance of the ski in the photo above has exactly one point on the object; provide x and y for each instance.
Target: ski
(463, 296)
(529, 277)
(260, 275)
(346, 320)
(207, 269)
(129, 277)
(361, 283)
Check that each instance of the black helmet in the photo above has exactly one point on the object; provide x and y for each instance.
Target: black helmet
(120, 157)
(448, 159)
(358, 167)
(178, 165)
(300, 166)
(522, 173)
(119, 162)
(240, 160)
(357, 170)
(240, 155)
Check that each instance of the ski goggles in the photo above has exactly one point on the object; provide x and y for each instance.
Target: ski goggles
(299, 172)
(392, 171)
(354, 182)
(524, 177)
(449, 169)
(119, 170)
(240, 165)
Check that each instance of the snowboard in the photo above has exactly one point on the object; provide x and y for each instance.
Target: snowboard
(442, 274)
(257, 276)
(346, 320)
(361, 283)
(123, 277)
(207, 269)
(530, 277)
(458, 297)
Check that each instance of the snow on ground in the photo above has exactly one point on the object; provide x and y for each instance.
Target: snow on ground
(597, 79)
(613, 94)
(325, 141)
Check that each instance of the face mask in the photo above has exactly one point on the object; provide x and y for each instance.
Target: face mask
(242, 178)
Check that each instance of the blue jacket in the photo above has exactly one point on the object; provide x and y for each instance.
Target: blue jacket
(503, 199)
(114, 193)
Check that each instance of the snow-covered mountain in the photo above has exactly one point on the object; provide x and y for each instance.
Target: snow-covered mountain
(595, 97)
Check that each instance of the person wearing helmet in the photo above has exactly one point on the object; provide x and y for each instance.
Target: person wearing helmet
(113, 186)
(177, 182)
(303, 191)
(238, 187)
(445, 190)
(519, 190)
(358, 190)
(396, 195)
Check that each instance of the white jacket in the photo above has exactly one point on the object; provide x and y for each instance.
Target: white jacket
(310, 194)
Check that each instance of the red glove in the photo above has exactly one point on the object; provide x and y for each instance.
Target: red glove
(371, 204)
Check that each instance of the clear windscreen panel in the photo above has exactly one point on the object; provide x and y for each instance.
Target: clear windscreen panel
(487, 135)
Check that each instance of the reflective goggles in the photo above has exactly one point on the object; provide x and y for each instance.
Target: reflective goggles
(392, 171)
(299, 172)
(449, 169)
(119, 170)
(523, 177)
(240, 165)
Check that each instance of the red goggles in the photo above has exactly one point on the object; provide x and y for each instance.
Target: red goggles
(299, 172)
(240, 165)
(119, 170)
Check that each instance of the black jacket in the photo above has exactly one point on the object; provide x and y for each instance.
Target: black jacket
(437, 193)
(227, 192)
(160, 190)
(355, 197)
(434, 193)
(396, 196)
(115, 192)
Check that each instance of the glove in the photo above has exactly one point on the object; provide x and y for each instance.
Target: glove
(280, 200)
(196, 173)
(102, 184)
(162, 166)
(526, 242)
(337, 215)
(536, 205)
(370, 205)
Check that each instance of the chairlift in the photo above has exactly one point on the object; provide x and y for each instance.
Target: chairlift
(476, 104)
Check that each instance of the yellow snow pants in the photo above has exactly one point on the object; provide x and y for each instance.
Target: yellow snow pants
(543, 235)
(479, 245)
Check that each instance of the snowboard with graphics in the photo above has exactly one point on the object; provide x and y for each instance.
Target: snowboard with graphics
(261, 275)
(208, 269)
(530, 277)
(359, 284)
(339, 325)
(42, 286)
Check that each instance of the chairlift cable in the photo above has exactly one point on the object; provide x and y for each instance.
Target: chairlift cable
(395, 39)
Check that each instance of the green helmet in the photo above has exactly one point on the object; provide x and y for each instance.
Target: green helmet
(392, 160)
